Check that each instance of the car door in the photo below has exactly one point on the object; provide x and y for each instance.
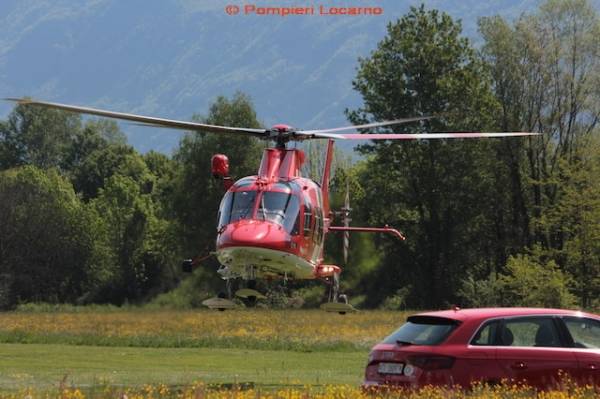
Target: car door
(533, 351)
(585, 335)
(480, 355)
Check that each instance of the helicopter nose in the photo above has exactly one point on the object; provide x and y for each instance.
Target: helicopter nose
(254, 233)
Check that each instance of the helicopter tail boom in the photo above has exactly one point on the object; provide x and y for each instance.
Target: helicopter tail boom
(326, 176)
(385, 229)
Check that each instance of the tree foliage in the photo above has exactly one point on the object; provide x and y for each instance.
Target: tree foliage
(48, 248)
(473, 211)
(37, 136)
(437, 190)
(546, 69)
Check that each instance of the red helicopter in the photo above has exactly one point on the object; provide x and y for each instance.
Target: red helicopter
(273, 225)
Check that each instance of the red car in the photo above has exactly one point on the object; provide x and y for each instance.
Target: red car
(461, 346)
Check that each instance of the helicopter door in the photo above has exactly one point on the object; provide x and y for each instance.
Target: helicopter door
(307, 230)
(308, 219)
(317, 234)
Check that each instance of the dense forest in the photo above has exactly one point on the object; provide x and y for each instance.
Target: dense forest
(85, 218)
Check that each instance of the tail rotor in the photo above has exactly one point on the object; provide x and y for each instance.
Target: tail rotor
(346, 219)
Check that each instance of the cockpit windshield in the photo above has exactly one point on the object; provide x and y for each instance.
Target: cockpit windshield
(281, 208)
(235, 206)
(275, 206)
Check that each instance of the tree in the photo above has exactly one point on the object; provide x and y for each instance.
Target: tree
(37, 136)
(438, 191)
(91, 173)
(195, 194)
(95, 135)
(575, 222)
(48, 250)
(314, 165)
(127, 215)
(49, 138)
(546, 69)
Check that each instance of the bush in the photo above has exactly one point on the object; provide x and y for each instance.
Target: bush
(528, 281)
(188, 295)
(398, 300)
(532, 283)
(313, 296)
(480, 293)
(43, 307)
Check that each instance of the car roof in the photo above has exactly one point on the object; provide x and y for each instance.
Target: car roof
(486, 313)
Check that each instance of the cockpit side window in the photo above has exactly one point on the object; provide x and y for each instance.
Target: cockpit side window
(225, 210)
(296, 227)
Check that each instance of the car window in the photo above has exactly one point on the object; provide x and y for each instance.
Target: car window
(585, 332)
(487, 334)
(530, 331)
(422, 330)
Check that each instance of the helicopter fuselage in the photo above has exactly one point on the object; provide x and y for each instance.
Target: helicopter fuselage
(273, 225)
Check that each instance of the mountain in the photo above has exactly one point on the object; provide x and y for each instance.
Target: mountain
(171, 58)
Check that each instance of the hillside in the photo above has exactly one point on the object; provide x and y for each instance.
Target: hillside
(171, 58)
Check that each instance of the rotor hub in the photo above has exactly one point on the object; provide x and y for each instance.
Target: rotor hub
(282, 128)
(281, 133)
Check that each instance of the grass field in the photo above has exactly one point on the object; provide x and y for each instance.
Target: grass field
(159, 354)
(44, 366)
(297, 330)
(136, 347)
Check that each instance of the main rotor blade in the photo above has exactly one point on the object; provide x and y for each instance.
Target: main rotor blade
(427, 136)
(147, 120)
(366, 125)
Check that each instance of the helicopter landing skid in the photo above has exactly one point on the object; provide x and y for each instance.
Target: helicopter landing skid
(220, 304)
(248, 293)
(338, 307)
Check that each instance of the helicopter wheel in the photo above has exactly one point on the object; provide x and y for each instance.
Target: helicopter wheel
(335, 287)
(227, 294)
(250, 301)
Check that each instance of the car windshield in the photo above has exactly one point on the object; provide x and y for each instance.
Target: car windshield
(236, 205)
(279, 207)
(422, 330)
